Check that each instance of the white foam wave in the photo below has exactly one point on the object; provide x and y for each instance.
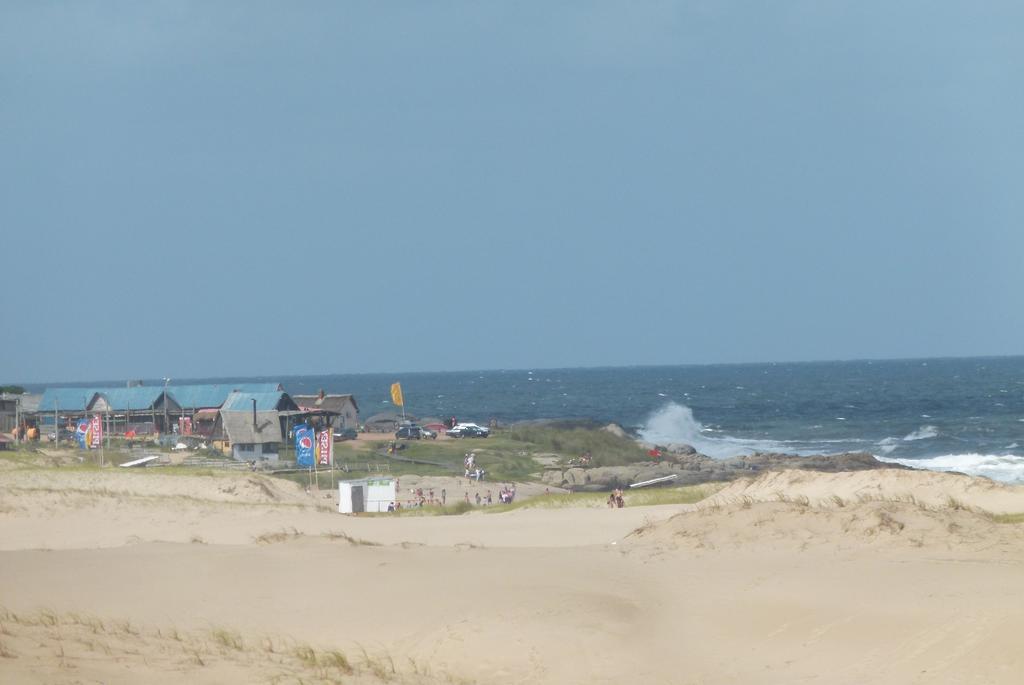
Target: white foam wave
(888, 444)
(922, 433)
(675, 424)
(1005, 468)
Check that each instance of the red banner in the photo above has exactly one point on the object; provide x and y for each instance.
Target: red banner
(324, 447)
(96, 432)
(185, 425)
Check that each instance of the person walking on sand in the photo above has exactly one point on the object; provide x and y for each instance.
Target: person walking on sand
(444, 496)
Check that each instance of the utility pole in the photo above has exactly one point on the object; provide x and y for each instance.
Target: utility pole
(17, 420)
(56, 428)
(166, 381)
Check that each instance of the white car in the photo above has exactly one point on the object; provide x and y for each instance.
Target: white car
(467, 430)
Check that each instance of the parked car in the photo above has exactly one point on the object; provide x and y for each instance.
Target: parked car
(427, 433)
(467, 430)
(409, 432)
(345, 434)
(65, 434)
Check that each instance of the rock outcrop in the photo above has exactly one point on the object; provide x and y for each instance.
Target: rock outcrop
(693, 468)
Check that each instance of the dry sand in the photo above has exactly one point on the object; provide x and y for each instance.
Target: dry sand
(127, 577)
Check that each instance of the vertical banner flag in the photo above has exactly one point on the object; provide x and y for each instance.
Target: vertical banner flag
(304, 438)
(324, 447)
(95, 432)
(396, 394)
(82, 433)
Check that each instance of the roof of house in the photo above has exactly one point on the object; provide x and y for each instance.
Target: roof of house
(213, 395)
(331, 402)
(139, 397)
(265, 401)
(239, 427)
(77, 399)
(66, 399)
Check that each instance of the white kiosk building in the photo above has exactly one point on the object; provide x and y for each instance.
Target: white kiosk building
(367, 494)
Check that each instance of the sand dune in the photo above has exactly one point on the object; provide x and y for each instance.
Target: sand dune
(925, 487)
(138, 577)
(795, 526)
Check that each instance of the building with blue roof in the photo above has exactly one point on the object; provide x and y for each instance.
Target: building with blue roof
(213, 395)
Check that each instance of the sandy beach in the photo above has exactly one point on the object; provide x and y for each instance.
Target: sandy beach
(142, 576)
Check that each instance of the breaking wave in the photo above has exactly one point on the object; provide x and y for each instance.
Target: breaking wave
(675, 424)
(1008, 468)
(922, 433)
(887, 445)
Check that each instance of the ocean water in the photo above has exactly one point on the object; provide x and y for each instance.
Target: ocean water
(946, 414)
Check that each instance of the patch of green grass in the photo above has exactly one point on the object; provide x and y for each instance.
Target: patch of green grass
(1008, 518)
(453, 509)
(606, 449)
(502, 458)
(689, 494)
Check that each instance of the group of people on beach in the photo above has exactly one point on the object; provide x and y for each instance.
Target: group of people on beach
(472, 470)
(418, 497)
(505, 496)
(615, 499)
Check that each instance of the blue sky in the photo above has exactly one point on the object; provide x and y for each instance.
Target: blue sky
(251, 188)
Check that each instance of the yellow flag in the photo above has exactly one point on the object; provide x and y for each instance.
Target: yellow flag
(396, 394)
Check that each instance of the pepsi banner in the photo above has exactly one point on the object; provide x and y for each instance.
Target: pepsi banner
(305, 438)
(324, 447)
(95, 432)
(82, 433)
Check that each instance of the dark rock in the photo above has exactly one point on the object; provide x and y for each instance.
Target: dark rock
(695, 468)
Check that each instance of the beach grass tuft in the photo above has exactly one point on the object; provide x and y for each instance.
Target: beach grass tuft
(277, 536)
(342, 535)
(335, 658)
(227, 638)
(305, 654)
(1008, 518)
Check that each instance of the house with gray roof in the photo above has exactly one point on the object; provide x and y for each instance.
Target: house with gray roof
(343, 405)
(254, 436)
(254, 425)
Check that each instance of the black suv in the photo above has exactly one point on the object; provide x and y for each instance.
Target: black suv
(345, 434)
(409, 432)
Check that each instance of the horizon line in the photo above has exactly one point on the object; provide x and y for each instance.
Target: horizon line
(191, 379)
